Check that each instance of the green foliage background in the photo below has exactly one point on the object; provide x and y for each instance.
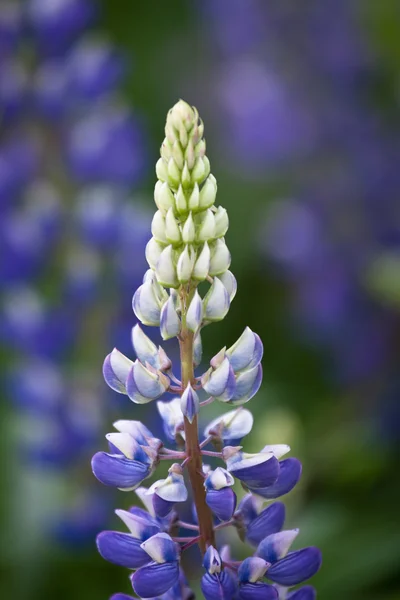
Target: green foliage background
(348, 501)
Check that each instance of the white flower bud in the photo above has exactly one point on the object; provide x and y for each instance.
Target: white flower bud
(200, 148)
(220, 258)
(199, 170)
(229, 281)
(202, 264)
(158, 227)
(172, 231)
(181, 114)
(153, 252)
(189, 154)
(194, 313)
(161, 170)
(163, 196)
(174, 173)
(208, 192)
(216, 302)
(183, 136)
(185, 178)
(206, 166)
(170, 324)
(180, 201)
(177, 154)
(206, 230)
(221, 222)
(188, 230)
(165, 269)
(166, 150)
(194, 200)
(185, 265)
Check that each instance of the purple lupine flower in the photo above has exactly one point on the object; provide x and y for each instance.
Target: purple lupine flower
(52, 226)
(169, 299)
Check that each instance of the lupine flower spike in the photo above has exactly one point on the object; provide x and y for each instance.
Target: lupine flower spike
(188, 247)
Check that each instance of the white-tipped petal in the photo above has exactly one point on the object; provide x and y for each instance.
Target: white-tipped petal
(194, 313)
(158, 227)
(165, 269)
(124, 442)
(278, 450)
(229, 281)
(221, 222)
(180, 201)
(202, 264)
(206, 231)
(153, 252)
(172, 231)
(220, 258)
(216, 302)
(185, 265)
(116, 369)
(194, 199)
(188, 230)
(232, 426)
(219, 479)
(208, 193)
(170, 324)
(145, 349)
(161, 548)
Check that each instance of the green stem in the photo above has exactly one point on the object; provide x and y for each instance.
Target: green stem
(194, 464)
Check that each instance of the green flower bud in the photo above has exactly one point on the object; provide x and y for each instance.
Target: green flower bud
(172, 231)
(221, 222)
(173, 173)
(163, 196)
(199, 170)
(183, 136)
(200, 148)
(202, 264)
(186, 180)
(158, 227)
(206, 230)
(180, 201)
(208, 193)
(188, 230)
(220, 258)
(190, 154)
(165, 269)
(177, 154)
(194, 200)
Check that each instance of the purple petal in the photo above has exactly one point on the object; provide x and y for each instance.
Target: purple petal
(289, 475)
(258, 591)
(118, 471)
(162, 508)
(122, 549)
(296, 567)
(220, 586)
(120, 596)
(269, 521)
(261, 475)
(155, 579)
(222, 502)
(305, 593)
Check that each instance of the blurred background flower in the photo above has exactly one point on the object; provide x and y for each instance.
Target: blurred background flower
(301, 104)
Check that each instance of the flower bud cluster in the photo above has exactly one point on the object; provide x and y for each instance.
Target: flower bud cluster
(188, 230)
(154, 546)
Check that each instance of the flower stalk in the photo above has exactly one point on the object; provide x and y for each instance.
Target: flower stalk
(193, 451)
(187, 248)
